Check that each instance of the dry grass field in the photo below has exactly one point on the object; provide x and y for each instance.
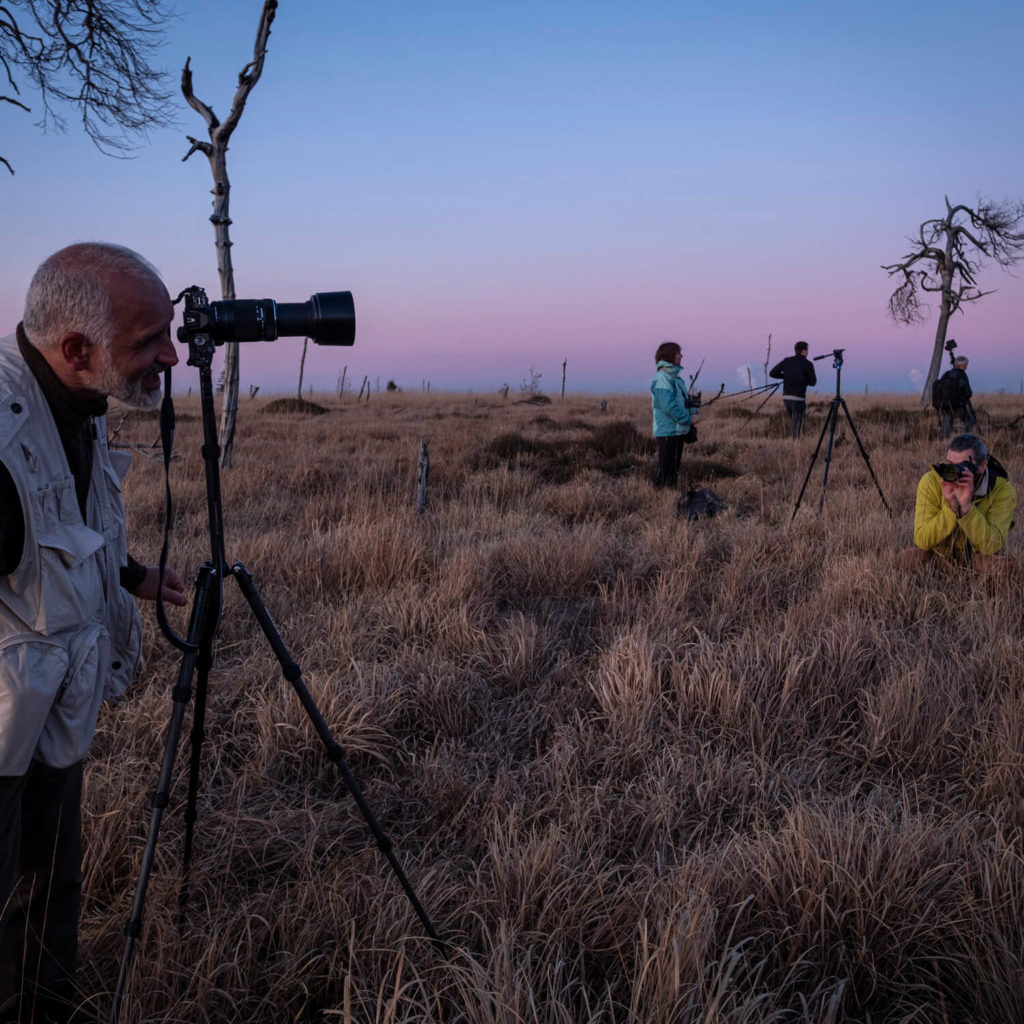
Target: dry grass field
(638, 770)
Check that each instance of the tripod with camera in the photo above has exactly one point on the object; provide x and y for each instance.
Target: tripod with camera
(829, 426)
(329, 319)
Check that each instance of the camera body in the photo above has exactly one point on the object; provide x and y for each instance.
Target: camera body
(950, 345)
(328, 318)
(952, 471)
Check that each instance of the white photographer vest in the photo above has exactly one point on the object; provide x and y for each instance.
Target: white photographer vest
(70, 636)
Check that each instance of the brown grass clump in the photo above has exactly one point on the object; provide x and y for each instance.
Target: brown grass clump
(638, 770)
(299, 406)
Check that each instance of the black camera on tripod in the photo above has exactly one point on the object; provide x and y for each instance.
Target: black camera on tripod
(328, 318)
(837, 357)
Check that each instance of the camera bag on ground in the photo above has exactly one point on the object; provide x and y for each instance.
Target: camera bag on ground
(698, 503)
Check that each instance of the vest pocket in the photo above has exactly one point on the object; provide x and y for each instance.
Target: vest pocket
(32, 670)
(72, 590)
(67, 731)
(126, 645)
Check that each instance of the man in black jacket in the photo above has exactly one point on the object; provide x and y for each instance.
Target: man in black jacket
(951, 398)
(797, 374)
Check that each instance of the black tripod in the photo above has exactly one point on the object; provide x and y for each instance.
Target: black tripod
(830, 425)
(197, 660)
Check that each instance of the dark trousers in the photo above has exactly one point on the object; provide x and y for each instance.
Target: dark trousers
(948, 416)
(670, 454)
(796, 416)
(40, 892)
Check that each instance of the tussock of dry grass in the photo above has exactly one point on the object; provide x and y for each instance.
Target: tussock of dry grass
(637, 770)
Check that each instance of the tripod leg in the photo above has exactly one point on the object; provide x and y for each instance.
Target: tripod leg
(198, 633)
(293, 674)
(204, 664)
(867, 461)
(833, 417)
(817, 447)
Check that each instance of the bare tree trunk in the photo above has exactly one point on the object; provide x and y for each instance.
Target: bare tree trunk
(767, 358)
(424, 473)
(945, 311)
(216, 152)
(302, 365)
(564, 361)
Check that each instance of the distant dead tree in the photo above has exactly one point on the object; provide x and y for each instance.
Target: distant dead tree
(93, 55)
(421, 478)
(945, 257)
(216, 152)
(302, 365)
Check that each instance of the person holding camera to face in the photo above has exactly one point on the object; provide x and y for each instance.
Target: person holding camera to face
(965, 508)
(96, 324)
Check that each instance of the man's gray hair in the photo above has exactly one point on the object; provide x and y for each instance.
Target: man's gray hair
(960, 361)
(69, 291)
(969, 443)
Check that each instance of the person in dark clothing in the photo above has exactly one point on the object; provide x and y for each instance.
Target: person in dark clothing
(797, 374)
(951, 397)
(96, 324)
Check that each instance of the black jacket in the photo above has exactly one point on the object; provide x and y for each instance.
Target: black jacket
(796, 374)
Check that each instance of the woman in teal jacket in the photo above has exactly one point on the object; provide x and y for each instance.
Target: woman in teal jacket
(672, 419)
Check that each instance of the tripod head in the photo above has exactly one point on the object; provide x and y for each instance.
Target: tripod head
(949, 346)
(837, 357)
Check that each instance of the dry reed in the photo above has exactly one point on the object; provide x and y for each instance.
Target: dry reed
(638, 770)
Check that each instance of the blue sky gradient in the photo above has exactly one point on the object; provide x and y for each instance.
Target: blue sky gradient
(509, 185)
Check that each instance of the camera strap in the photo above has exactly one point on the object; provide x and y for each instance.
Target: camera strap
(167, 443)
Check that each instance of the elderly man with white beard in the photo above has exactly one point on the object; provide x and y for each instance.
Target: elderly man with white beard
(96, 325)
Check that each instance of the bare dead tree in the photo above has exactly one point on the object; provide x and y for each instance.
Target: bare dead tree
(302, 365)
(945, 257)
(422, 478)
(91, 55)
(767, 357)
(216, 152)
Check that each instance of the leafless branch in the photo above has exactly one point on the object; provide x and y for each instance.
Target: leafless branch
(905, 304)
(220, 131)
(95, 56)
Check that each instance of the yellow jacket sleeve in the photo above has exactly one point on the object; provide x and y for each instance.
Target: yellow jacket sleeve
(934, 520)
(989, 520)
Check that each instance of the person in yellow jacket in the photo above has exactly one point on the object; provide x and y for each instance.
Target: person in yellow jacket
(965, 507)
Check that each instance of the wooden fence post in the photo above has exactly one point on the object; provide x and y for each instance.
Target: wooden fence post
(421, 496)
